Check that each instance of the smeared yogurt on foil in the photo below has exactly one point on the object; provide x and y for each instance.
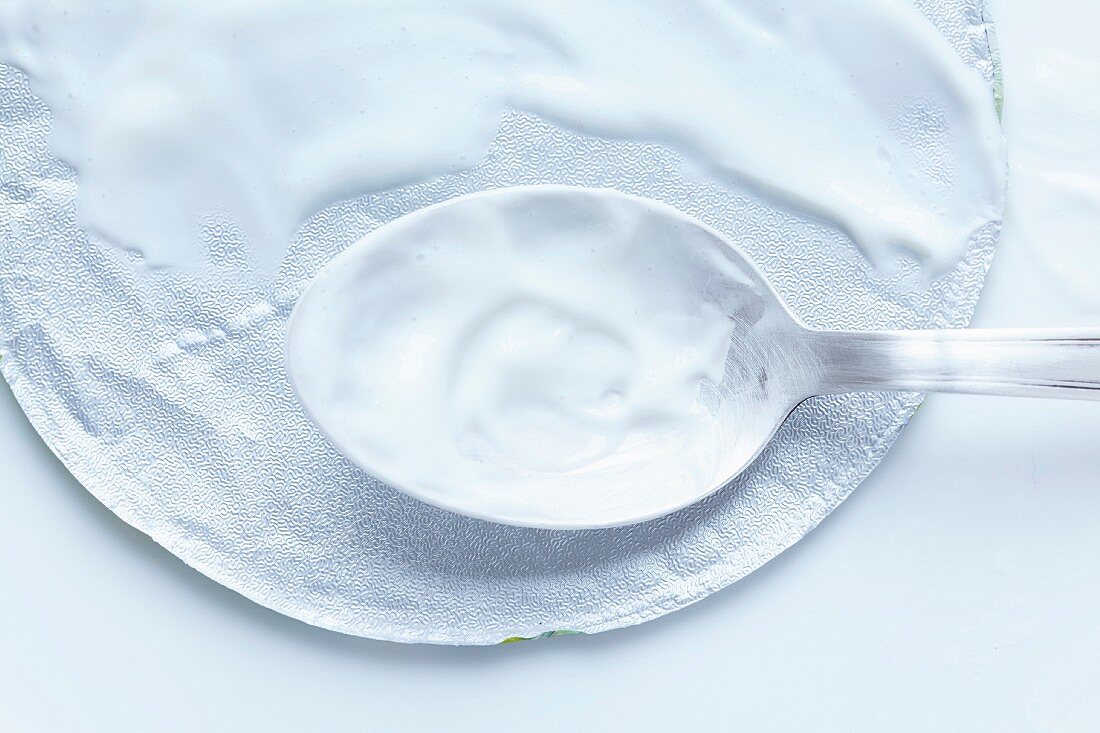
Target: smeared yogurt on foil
(1052, 118)
(254, 115)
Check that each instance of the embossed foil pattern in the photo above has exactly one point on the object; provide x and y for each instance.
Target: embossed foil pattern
(165, 394)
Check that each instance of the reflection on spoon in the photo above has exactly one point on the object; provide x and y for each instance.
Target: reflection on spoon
(563, 357)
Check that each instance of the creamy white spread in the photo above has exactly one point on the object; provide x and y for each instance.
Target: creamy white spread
(258, 113)
(1052, 119)
(576, 376)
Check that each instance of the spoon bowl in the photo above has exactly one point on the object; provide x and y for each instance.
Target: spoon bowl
(487, 444)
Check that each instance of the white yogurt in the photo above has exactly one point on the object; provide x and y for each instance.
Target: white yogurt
(1052, 118)
(256, 114)
(577, 371)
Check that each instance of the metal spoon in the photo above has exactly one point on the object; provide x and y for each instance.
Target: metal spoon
(775, 363)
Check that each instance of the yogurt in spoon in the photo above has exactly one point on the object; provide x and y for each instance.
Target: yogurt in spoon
(534, 352)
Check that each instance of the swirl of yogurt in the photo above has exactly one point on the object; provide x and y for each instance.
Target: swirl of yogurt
(524, 349)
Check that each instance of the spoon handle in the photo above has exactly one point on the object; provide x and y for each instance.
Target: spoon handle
(1063, 363)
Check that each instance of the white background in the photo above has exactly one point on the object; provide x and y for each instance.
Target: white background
(957, 589)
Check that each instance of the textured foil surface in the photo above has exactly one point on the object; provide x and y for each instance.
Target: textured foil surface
(165, 394)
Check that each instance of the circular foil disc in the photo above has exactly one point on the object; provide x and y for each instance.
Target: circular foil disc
(165, 394)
